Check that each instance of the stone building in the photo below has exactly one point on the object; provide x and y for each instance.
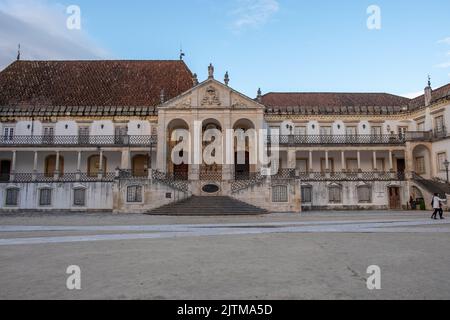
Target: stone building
(101, 135)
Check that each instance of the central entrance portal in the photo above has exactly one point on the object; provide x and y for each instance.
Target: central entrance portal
(242, 170)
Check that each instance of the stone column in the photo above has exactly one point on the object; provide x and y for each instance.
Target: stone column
(391, 161)
(359, 161)
(35, 163)
(125, 160)
(311, 167)
(344, 165)
(292, 158)
(375, 165)
(13, 165)
(327, 162)
(78, 174)
(57, 173)
(100, 165)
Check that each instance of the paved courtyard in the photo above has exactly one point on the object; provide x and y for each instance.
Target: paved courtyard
(318, 255)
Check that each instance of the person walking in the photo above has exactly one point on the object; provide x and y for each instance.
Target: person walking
(437, 206)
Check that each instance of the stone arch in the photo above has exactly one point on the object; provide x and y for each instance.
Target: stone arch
(181, 171)
(50, 166)
(422, 161)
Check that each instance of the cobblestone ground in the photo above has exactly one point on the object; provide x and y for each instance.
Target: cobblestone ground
(318, 255)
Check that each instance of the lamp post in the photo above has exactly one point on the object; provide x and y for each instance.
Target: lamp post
(447, 164)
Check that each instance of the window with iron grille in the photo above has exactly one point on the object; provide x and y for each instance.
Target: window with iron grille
(306, 194)
(335, 194)
(280, 194)
(79, 197)
(45, 197)
(364, 194)
(134, 194)
(12, 197)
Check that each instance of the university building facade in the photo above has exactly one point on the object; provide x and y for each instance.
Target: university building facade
(99, 136)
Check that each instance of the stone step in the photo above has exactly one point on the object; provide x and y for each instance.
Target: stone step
(209, 206)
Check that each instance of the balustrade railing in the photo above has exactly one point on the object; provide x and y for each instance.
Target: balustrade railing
(78, 141)
(387, 139)
(27, 177)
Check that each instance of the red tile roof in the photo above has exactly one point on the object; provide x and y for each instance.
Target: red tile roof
(330, 99)
(436, 95)
(92, 83)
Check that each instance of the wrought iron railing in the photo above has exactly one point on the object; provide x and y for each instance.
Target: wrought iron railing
(27, 177)
(293, 140)
(351, 176)
(246, 180)
(79, 141)
(176, 181)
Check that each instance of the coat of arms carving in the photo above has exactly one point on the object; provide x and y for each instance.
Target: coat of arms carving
(211, 97)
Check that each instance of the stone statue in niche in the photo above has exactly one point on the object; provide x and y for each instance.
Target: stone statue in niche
(211, 98)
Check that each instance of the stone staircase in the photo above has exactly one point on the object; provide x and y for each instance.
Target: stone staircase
(432, 186)
(208, 206)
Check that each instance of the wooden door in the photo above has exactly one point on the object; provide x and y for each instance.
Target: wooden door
(394, 198)
(140, 165)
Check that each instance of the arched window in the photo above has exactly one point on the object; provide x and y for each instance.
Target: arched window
(50, 166)
(93, 169)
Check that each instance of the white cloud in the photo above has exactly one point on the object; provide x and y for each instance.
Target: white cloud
(446, 40)
(253, 13)
(40, 28)
(444, 65)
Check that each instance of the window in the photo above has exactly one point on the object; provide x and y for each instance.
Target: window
(351, 134)
(323, 165)
(441, 158)
(376, 131)
(94, 166)
(280, 194)
(49, 135)
(439, 125)
(421, 126)
(303, 165)
(8, 133)
(79, 197)
(83, 135)
(300, 131)
(134, 194)
(45, 197)
(12, 197)
(335, 194)
(306, 194)
(364, 194)
(420, 165)
(402, 131)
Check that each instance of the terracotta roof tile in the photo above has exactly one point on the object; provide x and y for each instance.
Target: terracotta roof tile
(92, 83)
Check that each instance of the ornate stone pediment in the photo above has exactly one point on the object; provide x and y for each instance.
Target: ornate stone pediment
(211, 97)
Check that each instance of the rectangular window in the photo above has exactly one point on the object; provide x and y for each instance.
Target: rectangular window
(307, 194)
(352, 165)
(377, 131)
(420, 165)
(134, 194)
(280, 194)
(335, 195)
(300, 131)
(303, 165)
(45, 197)
(323, 165)
(79, 197)
(421, 126)
(83, 135)
(365, 194)
(439, 125)
(12, 197)
(380, 165)
(441, 158)
(8, 133)
(402, 131)
(49, 135)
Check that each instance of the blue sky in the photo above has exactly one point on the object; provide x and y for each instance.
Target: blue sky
(278, 45)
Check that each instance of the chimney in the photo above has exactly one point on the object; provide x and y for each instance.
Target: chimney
(428, 93)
